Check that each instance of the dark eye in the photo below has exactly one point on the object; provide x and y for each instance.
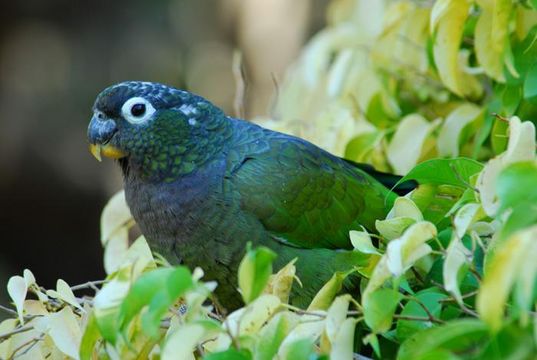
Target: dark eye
(138, 110)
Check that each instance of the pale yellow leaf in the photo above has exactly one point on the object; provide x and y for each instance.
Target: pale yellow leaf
(336, 314)
(393, 228)
(509, 263)
(447, 20)
(309, 328)
(406, 145)
(521, 145)
(16, 288)
(64, 292)
(338, 72)
(361, 241)
(402, 253)
(29, 278)
(466, 216)
(281, 283)
(343, 343)
(405, 207)
(249, 319)
(449, 136)
(5, 346)
(115, 249)
(115, 215)
(64, 330)
(181, 343)
(489, 51)
(457, 255)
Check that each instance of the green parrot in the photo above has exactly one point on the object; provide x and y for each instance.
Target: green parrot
(201, 185)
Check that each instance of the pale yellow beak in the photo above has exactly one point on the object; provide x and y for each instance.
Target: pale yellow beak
(106, 150)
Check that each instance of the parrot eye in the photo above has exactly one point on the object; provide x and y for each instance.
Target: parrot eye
(137, 110)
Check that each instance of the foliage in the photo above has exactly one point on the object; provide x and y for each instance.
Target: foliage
(454, 273)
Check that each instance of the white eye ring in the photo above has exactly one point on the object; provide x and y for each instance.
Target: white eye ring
(137, 110)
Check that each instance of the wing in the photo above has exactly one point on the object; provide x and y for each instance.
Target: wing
(301, 194)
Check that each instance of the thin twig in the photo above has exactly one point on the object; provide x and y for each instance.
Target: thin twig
(30, 343)
(432, 318)
(16, 331)
(8, 310)
(89, 284)
(415, 318)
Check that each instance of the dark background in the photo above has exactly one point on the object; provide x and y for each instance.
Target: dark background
(56, 56)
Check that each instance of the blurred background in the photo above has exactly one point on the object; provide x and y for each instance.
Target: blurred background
(56, 56)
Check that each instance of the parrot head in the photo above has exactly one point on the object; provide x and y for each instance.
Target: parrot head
(157, 129)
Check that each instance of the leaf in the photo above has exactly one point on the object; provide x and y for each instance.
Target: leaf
(115, 215)
(402, 253)
(391, 229)
(107, 304)
(181, 343)
(516, 185)
(254, 272)
(456, 172)
(530, 83)
(466, 216)
(115, 249)
(272, 335)
(342, 344)
(309, 329)
(361, 241)
(430, 298)
(230, 354)
(336, 314)
(281, 283)
(157, 289)
(65, 331)
(450, 133)
(64, 292)
(448, 18)
(89, 338)
(359, 147)
(379, 309)
(326, 295)
(16, 288)
(407, 143)
(513, 261)
(457, 336)
(249, 319)
(490, 54)
(457, 256)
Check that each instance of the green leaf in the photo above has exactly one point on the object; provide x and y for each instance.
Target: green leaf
(458, 336)
(512, 342)
(530, 83)
(230, 354)
(254, 272)
(301, 350)
(430, 298)
(358, 148)
(516, 185)
(157, 289)
(89, 339)
(379, 309)
(456, 172)
(272, 336)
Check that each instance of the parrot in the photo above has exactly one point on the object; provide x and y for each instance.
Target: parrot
(202, 185)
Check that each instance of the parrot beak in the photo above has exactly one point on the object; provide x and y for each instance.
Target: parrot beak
(100, 132)
(107, 150)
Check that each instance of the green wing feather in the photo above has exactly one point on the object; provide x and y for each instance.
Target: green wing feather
(303, 195)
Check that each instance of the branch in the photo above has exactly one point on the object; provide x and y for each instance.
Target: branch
(14, 332)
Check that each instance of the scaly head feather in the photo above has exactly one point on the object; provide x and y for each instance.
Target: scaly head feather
(156, 131)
